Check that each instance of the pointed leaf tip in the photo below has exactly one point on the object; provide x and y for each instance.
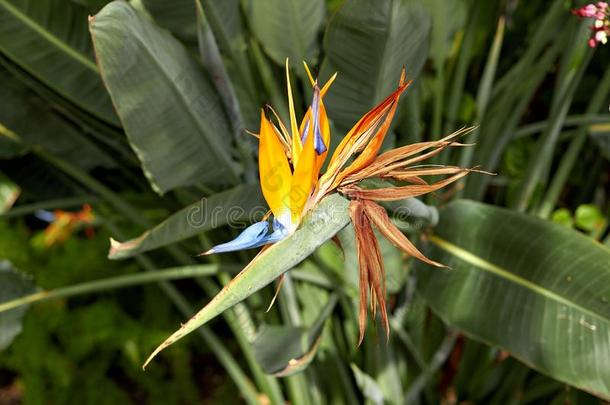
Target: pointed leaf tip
(328, 218)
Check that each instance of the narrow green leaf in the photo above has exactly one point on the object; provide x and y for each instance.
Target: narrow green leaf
(12, 285)
(214, 64)
(175, 273)
(242, 203)
(512, 94)
(212, 61)
(170, 111)
(484, 90)
(320, 225)
(287, 28)
(368, 43)
(49, 40)
(544, 297)
(574, 63)
(572, 155)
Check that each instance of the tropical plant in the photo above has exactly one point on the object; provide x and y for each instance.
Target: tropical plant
(140, 122)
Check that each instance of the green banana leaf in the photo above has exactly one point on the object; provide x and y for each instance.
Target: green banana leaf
(328, 218)
(368, 43)
(170, 111)
(287, 28)
(49, 40)
(49, 130)
(536, 289)
(178, 16)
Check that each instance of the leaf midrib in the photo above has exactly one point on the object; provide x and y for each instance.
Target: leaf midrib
(20, 16)
(220, 152)
(483, 264)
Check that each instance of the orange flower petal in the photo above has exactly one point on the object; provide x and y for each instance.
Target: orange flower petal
(303, 178)
(296, 138)
(373, 124)
(274, 170)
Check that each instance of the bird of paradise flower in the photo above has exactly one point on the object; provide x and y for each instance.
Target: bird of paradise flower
(290, 159)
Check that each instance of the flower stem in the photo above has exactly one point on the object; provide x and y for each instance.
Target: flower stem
(175, 273)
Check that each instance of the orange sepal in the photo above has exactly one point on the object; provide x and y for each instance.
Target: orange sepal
(274, 170)
(303, 178)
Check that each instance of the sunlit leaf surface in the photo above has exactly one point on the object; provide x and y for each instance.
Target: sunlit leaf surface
(537, 289)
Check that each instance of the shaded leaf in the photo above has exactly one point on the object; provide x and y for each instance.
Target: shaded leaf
(49, 130)
(287, 28)
(170, 111)
(12, 285)
(544, 297)
(239, 204)
(369, 43)
(328, 218)
(286, 350)
(49, 40)
(178, 16)
(92, 6)
(10, 147)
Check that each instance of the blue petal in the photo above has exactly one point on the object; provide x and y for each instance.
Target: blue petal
(318, 142)
(45, 215)
(251, 237)
(273, 237)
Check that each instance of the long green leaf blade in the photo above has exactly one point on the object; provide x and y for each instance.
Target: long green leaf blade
(238, 204)
(287, 28)
(368, 43)
(537, 289)
(319, 226)
(170, 111)
(49, 40)
(50, 131)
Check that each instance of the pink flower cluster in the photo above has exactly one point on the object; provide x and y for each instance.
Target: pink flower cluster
(600, 30)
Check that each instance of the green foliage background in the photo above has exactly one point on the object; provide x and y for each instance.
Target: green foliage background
(140, 112)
